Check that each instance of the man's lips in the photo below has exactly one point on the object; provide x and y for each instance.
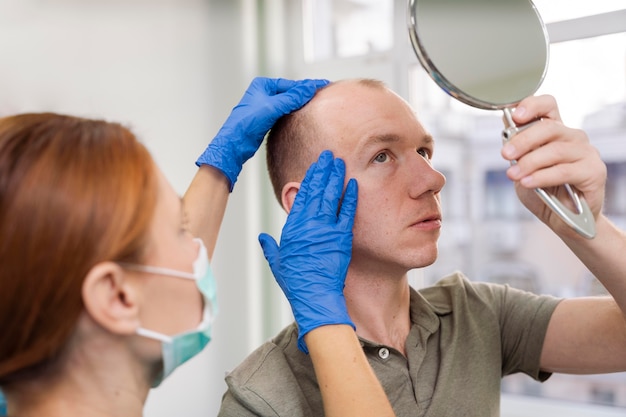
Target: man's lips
(430, 221)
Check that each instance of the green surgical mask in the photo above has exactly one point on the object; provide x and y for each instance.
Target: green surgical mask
(180, 348)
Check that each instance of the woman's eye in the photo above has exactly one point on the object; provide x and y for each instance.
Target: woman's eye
(381, 157)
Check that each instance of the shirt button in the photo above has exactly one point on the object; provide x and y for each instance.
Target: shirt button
(383, 353)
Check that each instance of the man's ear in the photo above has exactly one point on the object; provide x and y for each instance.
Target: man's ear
(110, 298)
(288, 195)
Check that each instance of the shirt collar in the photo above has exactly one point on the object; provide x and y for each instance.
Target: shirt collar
(424, 314)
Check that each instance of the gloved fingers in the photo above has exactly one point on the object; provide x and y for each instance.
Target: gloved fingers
(263, 103)
(332, 193)
(270, 249)
(300, 203)
(260, 94)
(271, 86)
(281, 85)
(348, 206)
(297, 95)
(291, 93)
(319, 183)
(308, 199)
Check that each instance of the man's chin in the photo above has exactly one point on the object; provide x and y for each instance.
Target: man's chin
(425, 259)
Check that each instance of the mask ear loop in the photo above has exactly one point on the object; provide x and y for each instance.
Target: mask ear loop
(202, 253)
(153, 335)
(208, 314)
(159, 271)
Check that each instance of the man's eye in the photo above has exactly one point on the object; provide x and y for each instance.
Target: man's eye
(424, 152)
(381, 157)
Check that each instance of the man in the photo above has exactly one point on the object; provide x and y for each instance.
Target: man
(441, 350)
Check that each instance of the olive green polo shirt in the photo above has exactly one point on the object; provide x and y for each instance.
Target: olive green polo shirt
(464, 338)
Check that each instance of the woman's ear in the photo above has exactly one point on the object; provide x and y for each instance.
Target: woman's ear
(288, 195)
(111, 299)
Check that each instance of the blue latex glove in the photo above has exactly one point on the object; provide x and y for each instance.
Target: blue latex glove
(315, 247)
(263, 103)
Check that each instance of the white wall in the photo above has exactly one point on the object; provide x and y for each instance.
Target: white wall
(171, 70)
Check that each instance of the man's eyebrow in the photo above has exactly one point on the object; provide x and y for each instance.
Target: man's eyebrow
(426, 139)
(377, 140)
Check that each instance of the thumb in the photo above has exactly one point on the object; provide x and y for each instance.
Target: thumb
(270, 249)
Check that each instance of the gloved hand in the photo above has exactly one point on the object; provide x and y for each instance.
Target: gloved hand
(315, 247)
(263, 103)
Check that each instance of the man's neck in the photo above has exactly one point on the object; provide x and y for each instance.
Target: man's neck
(380, 308)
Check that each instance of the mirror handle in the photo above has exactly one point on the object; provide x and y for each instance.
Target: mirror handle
(582, 220)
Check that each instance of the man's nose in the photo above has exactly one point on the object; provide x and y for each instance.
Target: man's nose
(424, 177)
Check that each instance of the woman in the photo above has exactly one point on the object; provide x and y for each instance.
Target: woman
(104, 290)
(84, 214)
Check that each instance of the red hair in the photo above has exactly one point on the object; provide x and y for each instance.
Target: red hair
(73, 192)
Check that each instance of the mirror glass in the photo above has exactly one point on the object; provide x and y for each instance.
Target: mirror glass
(487, 53)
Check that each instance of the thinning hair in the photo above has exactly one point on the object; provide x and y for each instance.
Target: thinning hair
(295, 141)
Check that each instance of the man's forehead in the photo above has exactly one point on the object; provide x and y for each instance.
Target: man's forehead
(347, 100)
(349, 111)
(335, 96)
(357, 100)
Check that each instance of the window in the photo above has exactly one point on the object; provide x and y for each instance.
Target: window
(345, 28)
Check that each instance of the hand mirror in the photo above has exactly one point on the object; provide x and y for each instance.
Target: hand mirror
(490, 54)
